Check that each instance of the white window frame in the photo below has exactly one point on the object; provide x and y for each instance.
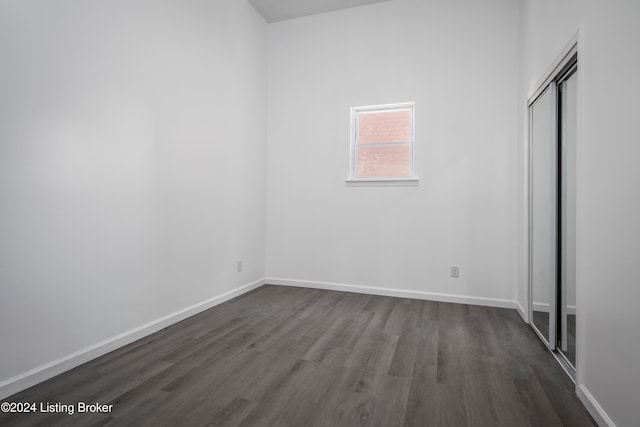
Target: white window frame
(355, 180)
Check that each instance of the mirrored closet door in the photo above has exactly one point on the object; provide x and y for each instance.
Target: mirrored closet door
(552, 212)
(542, 216)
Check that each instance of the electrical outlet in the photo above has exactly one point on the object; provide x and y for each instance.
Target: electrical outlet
(239, 266)
(455, 271)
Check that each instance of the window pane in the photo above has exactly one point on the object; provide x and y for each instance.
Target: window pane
(384, 126)
(383, 160)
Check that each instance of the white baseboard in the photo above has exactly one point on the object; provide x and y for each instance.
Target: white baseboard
(522, 312)
(401, 293)
(541, 306)
(42, 373)
(593, 407)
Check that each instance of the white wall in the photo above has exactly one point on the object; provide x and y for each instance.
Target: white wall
(458, 62)
(132, 166)
(608, 203)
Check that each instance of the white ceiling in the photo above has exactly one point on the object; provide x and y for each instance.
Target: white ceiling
(279, 10)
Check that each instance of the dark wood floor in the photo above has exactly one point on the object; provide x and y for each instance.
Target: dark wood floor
(281, 356)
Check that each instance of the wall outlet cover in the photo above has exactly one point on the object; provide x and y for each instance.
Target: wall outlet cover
(455, 271)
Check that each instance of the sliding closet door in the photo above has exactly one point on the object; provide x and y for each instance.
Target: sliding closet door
(543, 213)
(567, 95)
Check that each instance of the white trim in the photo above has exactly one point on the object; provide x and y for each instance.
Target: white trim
(521, 312)
(529, 214)
(397, 105)
(526, 214)
(42, 373)
(400, 293)
(382, 182)
(542, 306)
(560, 61)
(389, 181)
(553, 253)
(594, 408)
(580, 299)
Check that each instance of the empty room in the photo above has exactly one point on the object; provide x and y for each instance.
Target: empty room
(319, 213)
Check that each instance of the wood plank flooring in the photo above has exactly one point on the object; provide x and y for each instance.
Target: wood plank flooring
(281, 356)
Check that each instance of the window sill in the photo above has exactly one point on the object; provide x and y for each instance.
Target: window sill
(382, 182)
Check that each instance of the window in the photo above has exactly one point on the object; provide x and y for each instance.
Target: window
(382, 143)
